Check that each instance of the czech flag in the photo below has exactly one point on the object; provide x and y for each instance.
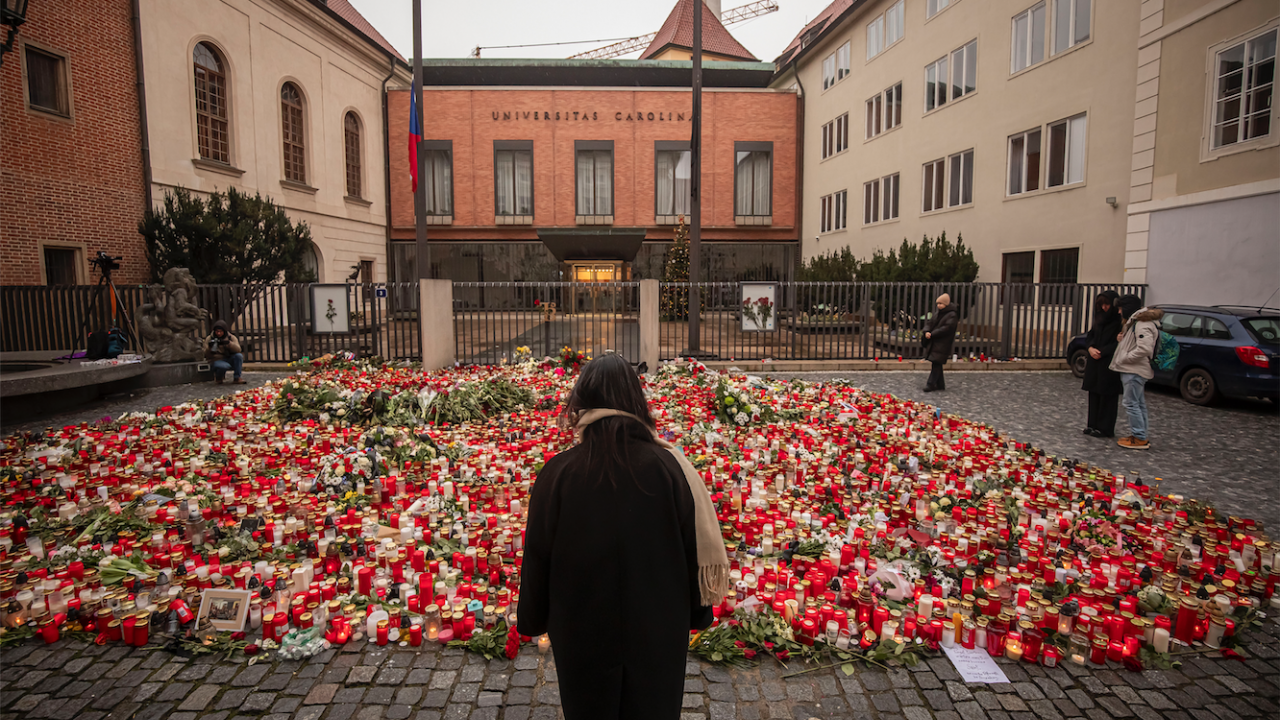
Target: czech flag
(415, 135)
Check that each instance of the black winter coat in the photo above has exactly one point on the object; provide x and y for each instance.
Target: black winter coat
(611, 574)
(1098, 375)
(942, 327)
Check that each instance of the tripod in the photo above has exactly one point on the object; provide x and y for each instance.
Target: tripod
(107, 286)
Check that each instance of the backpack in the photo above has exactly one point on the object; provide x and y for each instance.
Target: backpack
(1165, 356)
(115, 342)
(96, 349)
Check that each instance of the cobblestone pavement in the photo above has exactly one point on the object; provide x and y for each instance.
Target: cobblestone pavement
(1227, 454)
(75, 681)
(145, 400)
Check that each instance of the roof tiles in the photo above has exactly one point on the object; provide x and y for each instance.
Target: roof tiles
(678, 31)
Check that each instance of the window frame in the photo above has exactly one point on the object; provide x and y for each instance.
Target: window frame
(666, 146)
(747, 146)
(947, 181)
(1066, 153)
(430, 146)
(1029, 13)
(835, 136)
(937, 6)
(1024, 175)
(1021, 295)
(78, 261)
(880, 23)
(514, 146)
(221, 57)
(844, 69)
(1208, 150)
(833, 212)
(829, 72)
(1051, 27)
(885, 111)
(347, 150)
(595, 146)
(64, 81)
(301, 110)
(876, 196)
(947, 85)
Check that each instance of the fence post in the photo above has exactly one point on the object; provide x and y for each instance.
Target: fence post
(435, 315)
(1006, 294)
(649, 323)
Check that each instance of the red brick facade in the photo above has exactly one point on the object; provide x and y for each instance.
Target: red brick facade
(467, 118)
(77, 180)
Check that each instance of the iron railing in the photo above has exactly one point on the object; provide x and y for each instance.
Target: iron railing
(492, 319)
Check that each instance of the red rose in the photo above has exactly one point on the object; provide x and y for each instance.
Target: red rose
(251, 649)
(782, 654)
(751, 654)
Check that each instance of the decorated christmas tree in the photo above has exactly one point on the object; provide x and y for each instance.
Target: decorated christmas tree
(675, 269)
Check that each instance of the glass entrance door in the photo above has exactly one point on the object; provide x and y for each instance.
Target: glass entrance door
(595, 296)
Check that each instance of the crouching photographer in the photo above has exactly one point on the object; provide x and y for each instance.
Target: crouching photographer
(223, 350)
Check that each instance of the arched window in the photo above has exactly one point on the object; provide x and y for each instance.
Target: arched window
(211, 104)
(295, 163)
(351, 134)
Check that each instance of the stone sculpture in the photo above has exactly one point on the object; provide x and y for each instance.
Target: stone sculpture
(169, 322)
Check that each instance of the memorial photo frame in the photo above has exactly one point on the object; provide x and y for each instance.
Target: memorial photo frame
(227, 610)
(330, 309)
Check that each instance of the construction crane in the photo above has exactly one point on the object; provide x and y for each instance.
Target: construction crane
(630, 45)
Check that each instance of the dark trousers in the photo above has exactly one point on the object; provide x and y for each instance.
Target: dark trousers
(1102, 412)
(936, 381)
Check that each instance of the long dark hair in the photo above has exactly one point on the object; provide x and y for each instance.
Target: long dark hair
(1106, 297)
(609, 382)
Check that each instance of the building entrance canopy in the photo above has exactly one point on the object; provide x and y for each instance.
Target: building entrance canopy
(593, 244)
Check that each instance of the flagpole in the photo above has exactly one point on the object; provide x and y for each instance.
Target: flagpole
(695, 205)
(423, 254)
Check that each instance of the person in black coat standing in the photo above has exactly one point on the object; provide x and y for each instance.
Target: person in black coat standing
(939, 337)
(611, 567)
(1103, 383)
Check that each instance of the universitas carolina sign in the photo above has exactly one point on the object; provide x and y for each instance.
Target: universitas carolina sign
(579, 115)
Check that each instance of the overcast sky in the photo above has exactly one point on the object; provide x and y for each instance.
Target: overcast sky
(452, 28)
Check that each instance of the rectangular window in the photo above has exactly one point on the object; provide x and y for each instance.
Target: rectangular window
(934, 183)
(594, 177)
(1245, 80)
(513, 177)
(880, 199)
(875, 37)
(753, 179)
(842, 62)
(964, 70)
(834, 213)
(1066, 151)
(1024, 162)
(437, 173)
(835, 136)
(1070, 23)
(673, 173)
(47, 87)
(884, 111)
(60, 266)
(1059, 266)
(1019, 267)
(1028, 38)
(894, 23)
(960, 179)
(829, 71)
(875, 115)
(933, 7)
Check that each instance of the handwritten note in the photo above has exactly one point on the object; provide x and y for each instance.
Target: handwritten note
(975, 665)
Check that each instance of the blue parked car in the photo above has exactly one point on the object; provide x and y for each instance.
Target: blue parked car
(1225, 350)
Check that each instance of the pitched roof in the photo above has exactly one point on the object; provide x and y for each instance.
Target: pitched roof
(353, 16)
(810, 32)
(678, 31)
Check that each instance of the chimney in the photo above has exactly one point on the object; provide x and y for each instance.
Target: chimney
(714, 6)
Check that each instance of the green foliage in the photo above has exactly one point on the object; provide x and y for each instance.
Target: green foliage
(227, 237)
(835, 266)
(934, 260)
(674, 304)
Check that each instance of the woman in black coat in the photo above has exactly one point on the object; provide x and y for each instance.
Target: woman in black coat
(939, 337)
(1100, 380)
(611, 558)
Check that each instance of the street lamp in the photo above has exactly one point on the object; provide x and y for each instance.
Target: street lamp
(12, 13)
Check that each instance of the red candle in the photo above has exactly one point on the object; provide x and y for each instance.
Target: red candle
(383, 629)
(364, 580)
(49, 631)
(415, 635)
(126, 629)
(1186, 624)
(1115, 651)
(881, 614)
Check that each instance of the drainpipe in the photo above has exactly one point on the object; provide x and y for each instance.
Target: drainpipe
(795, 265)
(386, 160)
(142, 103)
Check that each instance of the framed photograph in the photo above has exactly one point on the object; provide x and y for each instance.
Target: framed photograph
(330, 309)
(227, 610)
(759, 306)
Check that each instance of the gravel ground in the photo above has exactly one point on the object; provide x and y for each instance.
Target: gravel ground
(1228, 454)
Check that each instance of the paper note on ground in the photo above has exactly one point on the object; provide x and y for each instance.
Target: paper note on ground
(975, 665)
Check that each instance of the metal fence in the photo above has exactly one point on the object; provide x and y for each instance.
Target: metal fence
(811, 321)
(272, 321)
(842, 321)
(492, 319)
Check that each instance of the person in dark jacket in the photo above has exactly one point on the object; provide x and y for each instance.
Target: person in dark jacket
(223, 350)
(611, 568)
(1103, 383)
(939, 337)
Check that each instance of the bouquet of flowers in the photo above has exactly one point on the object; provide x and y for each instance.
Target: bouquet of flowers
(571, 359)
(734, 404)
(758, 311)
(343, 470)
(398, 446)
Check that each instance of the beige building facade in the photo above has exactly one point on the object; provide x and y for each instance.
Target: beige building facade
(1204, 212)
(278, 97)
(1006, 122)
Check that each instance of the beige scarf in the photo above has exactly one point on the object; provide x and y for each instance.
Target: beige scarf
(713, 561)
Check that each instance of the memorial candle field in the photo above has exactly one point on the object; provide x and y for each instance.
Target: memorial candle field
(355, 501)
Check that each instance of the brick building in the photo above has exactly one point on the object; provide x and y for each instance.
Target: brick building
(544, 170)
(71, 170)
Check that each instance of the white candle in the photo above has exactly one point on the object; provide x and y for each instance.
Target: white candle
(1161, 640)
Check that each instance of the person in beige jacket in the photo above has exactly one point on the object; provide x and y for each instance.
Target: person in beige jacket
(1132, 360)
(223, 350)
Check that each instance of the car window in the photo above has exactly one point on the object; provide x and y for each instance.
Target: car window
(1264, 329)
(1215, 330)
(1181, 324)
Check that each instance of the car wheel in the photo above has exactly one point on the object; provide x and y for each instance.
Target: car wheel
(1197, 387)
(1078, 360)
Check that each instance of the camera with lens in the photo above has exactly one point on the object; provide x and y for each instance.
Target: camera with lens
(106, 262)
